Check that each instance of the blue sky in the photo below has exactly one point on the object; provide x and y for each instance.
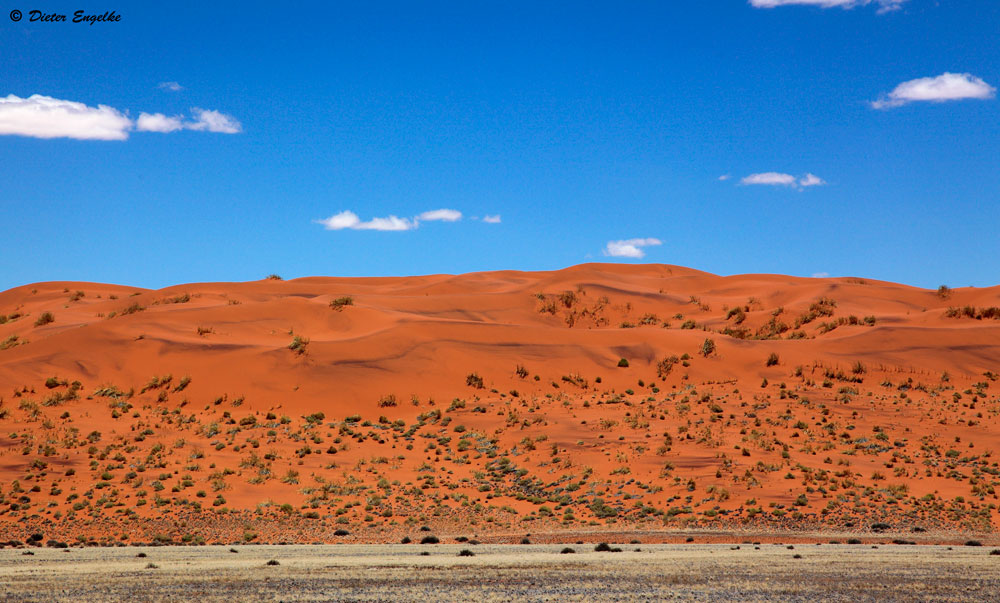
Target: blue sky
(588, 129)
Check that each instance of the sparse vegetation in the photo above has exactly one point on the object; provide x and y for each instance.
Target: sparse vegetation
(340, 303)
(298, 345)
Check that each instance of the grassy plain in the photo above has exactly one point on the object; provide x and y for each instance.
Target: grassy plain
(698, 572)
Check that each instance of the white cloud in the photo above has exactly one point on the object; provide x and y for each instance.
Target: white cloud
(811, 180)
(158, 122)
(171, 86)
(629, 248)
(770, 179)
(41, 116)
(782, 179)
(724, 177)
(945, 87)
(348, 219)
(883, 5)
(445, 215)
(491, 219)
(213, 121)
(820, 274)
(204, 121)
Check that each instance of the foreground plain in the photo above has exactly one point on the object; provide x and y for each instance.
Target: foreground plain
(502, 572)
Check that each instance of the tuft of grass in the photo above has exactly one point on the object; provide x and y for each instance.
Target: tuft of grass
(133, 308)
(298, 345)
(341, 302)
(44, 319)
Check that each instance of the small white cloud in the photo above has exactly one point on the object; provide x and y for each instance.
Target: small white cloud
(349, 219)
(724, 177)
(939, 89)
(820, 274)
(883, 5)
(491, 219)
(213, 121)
(171, 86)
(629, 248)
(158, 122)
(444, 215)
(811, 180)
(41, 116)
(770, 179)
(782, 179)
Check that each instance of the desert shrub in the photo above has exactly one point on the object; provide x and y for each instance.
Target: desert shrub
(466, 553)
(665, 366)
(708, 348)
(429, 540)
(474, 380)
(341, 302)
(298, 345)
(772, 359)
(387, 401)
(623, 363)
(134, 308)
(45, 318)
(10, 342)
(567, 551)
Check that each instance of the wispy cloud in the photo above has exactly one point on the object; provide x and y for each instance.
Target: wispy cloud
(820, 274)
(171, 86)
(491, 219)
(213, 121)
(884, 6)
(782, 179)
(770, 179)
(41, 116)
(629, 248)
(724, 177)
(939, 89)
(201, 121)
(158, 122)
(349, 220)
(811, 180)
(444, 215)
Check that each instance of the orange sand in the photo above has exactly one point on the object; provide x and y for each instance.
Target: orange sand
(881, 407)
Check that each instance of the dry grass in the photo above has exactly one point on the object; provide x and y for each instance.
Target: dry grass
(503, 572)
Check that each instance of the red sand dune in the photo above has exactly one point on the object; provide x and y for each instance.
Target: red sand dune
(183, 412)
